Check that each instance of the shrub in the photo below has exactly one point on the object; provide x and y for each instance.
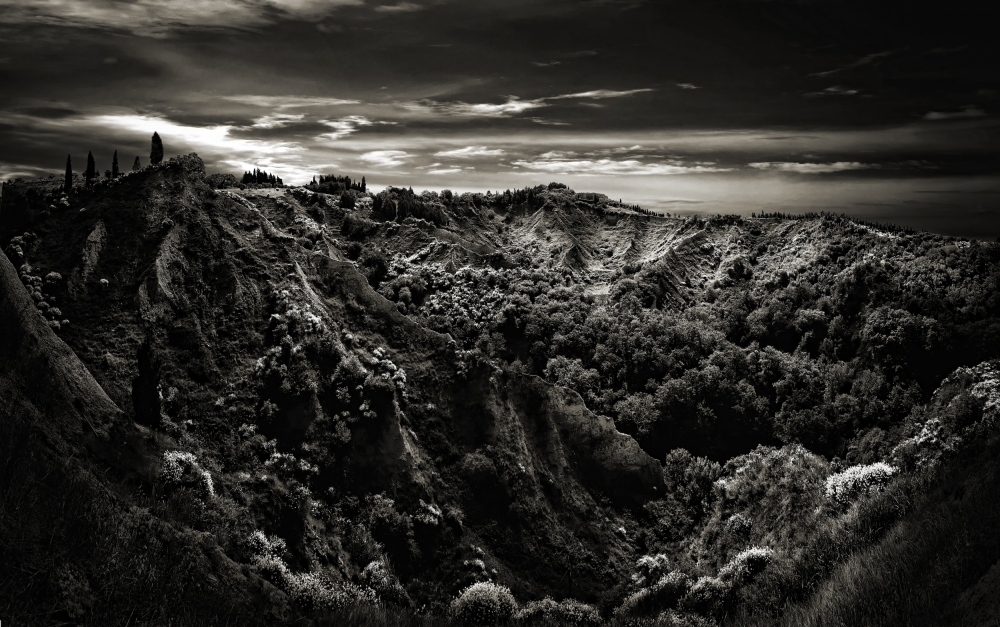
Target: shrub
(315, 592)
(649, 568)
(662, 595)
(577, 613)
(258, 544)
(844, 487)
(707, 596)
(673, 618)
(484, 603)
(567, 611)
(746, 565)
(380, 579)
(175, 465)
(357, 227)
(739, 525)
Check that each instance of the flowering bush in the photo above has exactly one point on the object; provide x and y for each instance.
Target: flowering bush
(663, 594)
(706, 596)
(310, 591)
(844, 487)
(175, 464)
(181, 468)
(739, 524)
(429, 514)
(566, 611)
(377, 577)
(314, 591)
(746, 565)
(484, 603)
(673, 618)
(260, 545)
(649, 568)
(206, 485)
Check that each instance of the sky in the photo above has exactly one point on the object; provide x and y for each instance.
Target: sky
(880, 110)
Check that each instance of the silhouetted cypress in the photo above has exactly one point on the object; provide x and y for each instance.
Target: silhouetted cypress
(91, 171)
(114, 166)
(364, 186)
(156, 153)
(68, 185)
(136, 166)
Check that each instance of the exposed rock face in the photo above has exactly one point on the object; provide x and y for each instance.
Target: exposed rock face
(63, 438)
(45, 370)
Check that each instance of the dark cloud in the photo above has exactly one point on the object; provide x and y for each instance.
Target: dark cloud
(666, 103)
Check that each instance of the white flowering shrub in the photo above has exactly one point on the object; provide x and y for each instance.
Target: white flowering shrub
(706, 596)
(673, 618)
(739, 525)
(206, 485)
(484, 603)
(567, 611)
(387, 370)
(664, 594)
(175, 465)
(649, 568)
(746, 565)
(260, 545)
(429, 514)
(316, 592)
(181, 468)
(309, 591)
(377, 577)
(844, 487)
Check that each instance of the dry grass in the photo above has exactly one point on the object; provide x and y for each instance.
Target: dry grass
(916, 573)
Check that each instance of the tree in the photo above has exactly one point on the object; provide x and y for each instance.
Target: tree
(156, 153)
(68, 186)
(114, 166)
(136, 166)
(91, 171)
(364, 185)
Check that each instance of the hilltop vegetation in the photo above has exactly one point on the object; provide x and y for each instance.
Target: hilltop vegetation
(525, 406)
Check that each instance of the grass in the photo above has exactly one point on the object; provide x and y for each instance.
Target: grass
(917, 572)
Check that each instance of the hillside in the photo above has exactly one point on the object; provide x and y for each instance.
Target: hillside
(335, 399)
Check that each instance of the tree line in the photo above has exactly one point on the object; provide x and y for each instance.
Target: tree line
(260, 177)
(91, 174)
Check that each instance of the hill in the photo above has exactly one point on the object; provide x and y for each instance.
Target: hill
(347, 399)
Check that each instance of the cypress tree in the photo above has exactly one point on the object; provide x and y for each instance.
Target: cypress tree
(136, 166)
(364, 186)
(91, 169)
(156, 152)
(68, 186)
(114, 166)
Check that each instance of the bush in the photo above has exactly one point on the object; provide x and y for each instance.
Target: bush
(708, 595)
(378, 577)
(739, 525)
(374, 265)
(567, 611)
(746, 565)
(844, 487)
(357, 227)
(484, 603)
(181, 468)
(649, 568)
(662, 595)
(175, 465)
